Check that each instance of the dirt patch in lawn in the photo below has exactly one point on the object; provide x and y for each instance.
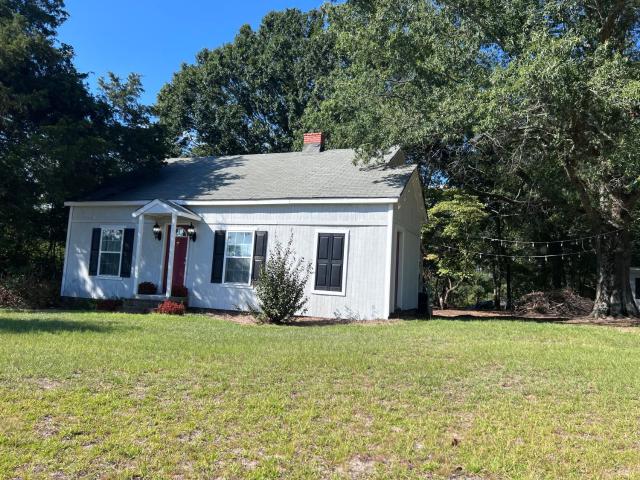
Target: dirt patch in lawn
(46, 427)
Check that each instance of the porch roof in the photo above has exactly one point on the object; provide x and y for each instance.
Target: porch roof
(166, 207)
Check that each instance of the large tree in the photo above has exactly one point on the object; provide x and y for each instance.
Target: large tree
(545, 93)
(568, 98)
(57, 140)
(248, 96)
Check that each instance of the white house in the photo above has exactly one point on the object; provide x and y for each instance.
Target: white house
(208, 224)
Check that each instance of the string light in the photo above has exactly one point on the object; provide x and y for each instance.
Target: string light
(523, 257)
(547, 243)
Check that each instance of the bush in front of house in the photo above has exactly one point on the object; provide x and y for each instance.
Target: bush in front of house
(108, 304)
(179, 291)
(147, 288)
(280, 286)
(171, 308)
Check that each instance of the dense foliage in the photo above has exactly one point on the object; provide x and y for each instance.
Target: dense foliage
(58, 141)
(249, 96)
(281, 285)
(456, 221)
(532, 106)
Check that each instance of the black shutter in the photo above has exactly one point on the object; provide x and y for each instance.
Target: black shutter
(218, 256)
(259, 254)
(330, 260)
(95, 251)
(337, 255)
(127, 253)
(637, 287)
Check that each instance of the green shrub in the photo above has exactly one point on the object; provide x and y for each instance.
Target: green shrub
(280, 286)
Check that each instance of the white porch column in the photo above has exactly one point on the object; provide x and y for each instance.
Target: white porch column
(136, 261)
(172, 251)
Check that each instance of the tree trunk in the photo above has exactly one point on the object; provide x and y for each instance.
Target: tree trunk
(497, 268)
(509, 305)
(614, 297)
(497, 285)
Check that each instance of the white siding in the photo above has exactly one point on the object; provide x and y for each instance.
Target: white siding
(77, 282)
(409, 216)
(365, 278)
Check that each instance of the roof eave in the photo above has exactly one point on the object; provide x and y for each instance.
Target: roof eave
(276, 201)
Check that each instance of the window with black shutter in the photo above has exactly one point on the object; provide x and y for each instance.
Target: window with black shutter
(111, 252)
(330, 262)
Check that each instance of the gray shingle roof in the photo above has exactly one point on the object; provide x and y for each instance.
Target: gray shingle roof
(297, 175)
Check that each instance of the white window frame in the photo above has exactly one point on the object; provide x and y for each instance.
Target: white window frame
(100, 251)
(224, 262)
(345, 263)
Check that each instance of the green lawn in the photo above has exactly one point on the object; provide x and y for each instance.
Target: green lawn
(113, 395)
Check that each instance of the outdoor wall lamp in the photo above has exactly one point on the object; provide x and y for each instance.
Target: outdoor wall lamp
(191, 232)
(157, 231)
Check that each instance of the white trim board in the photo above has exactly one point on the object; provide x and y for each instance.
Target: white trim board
(66, 253)
(160, 207)
(283, 201)
(388, 260)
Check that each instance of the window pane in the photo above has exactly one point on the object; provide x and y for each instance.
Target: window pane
(239, 244)
(237, 270)
(109, 264)
(111, 240)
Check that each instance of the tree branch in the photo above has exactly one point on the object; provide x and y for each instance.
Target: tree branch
(574, 178)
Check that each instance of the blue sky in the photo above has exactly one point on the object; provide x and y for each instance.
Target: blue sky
(154, 37)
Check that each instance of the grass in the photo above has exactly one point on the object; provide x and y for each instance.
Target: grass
(114, 395)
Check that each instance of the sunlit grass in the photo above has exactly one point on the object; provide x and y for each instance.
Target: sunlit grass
(114, 395)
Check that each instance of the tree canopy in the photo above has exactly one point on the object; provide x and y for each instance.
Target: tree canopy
(58, 141)
(527, 103)
(249, 96)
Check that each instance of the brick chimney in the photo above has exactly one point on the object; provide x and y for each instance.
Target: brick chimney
(313, 142)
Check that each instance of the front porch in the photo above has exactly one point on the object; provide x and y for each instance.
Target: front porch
(175, 227)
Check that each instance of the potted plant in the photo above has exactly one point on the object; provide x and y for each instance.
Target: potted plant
(147, 288)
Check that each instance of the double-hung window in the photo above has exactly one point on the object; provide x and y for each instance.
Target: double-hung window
(237, 257)
(111, 240)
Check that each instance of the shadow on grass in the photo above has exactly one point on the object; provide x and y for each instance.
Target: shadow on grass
(611, 322)
(11, 325)
(502, 318)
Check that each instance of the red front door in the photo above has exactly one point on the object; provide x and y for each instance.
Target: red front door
(179, 257)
